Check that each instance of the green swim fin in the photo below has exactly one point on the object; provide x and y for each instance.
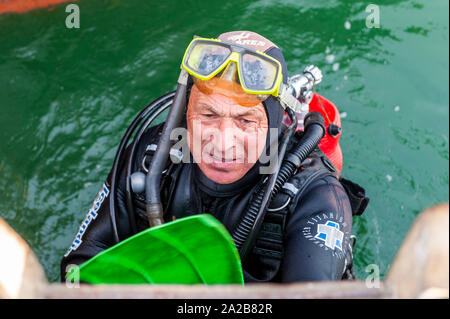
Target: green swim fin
(191, 250)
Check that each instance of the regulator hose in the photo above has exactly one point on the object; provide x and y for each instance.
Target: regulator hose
(246, 232)
(153, 205)
(243, 234)
(159, 108)
(118, 159)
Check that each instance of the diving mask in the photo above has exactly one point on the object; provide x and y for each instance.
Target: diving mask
(248, 76)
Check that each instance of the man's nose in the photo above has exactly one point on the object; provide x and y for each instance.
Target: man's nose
(226, 123)
(227, 133)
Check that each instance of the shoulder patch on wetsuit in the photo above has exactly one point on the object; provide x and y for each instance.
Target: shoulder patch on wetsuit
(92, 214)
(328, 232)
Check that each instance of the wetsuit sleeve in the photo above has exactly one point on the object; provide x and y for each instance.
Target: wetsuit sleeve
(317, 242)
(93, 236)
(95, 232)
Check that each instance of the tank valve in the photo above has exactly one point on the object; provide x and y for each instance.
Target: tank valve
(301, 86)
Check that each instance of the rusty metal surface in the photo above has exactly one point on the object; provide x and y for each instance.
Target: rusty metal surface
(21, 6)
(317, 290)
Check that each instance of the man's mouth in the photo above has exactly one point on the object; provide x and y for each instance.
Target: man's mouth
(219, 162)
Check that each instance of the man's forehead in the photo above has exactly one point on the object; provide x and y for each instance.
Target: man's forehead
(218, 103)
(236, 110)
(248, 39)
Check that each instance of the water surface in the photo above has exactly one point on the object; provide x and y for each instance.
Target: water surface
(68, 95)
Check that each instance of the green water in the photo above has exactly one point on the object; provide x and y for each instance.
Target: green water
(68, 95)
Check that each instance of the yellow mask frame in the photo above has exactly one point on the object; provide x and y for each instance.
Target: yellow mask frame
(236, 53)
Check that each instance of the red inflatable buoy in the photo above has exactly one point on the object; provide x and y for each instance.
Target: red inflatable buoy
(329, 145)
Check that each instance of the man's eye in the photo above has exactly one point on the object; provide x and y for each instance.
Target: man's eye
(247, 121)
(208, 115)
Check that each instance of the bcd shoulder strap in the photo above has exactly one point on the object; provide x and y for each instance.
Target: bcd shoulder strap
(268, 249)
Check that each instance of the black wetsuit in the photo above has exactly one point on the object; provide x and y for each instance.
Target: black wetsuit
(305, 235)
(315, 239)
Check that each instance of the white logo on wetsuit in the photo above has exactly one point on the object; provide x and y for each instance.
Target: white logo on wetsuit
(330, 234)
(89, 217)
(327, 230)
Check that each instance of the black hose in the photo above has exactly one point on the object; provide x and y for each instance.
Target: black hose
(131, 157)
(119, 159)
(245, 233)
(153, 205)
(314, 131)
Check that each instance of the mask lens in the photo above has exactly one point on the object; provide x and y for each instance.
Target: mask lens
(205, 58)
(258, 74)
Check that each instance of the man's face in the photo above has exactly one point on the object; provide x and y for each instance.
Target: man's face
(225, 138)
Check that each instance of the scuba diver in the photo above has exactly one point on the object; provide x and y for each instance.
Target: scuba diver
(282, 200)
